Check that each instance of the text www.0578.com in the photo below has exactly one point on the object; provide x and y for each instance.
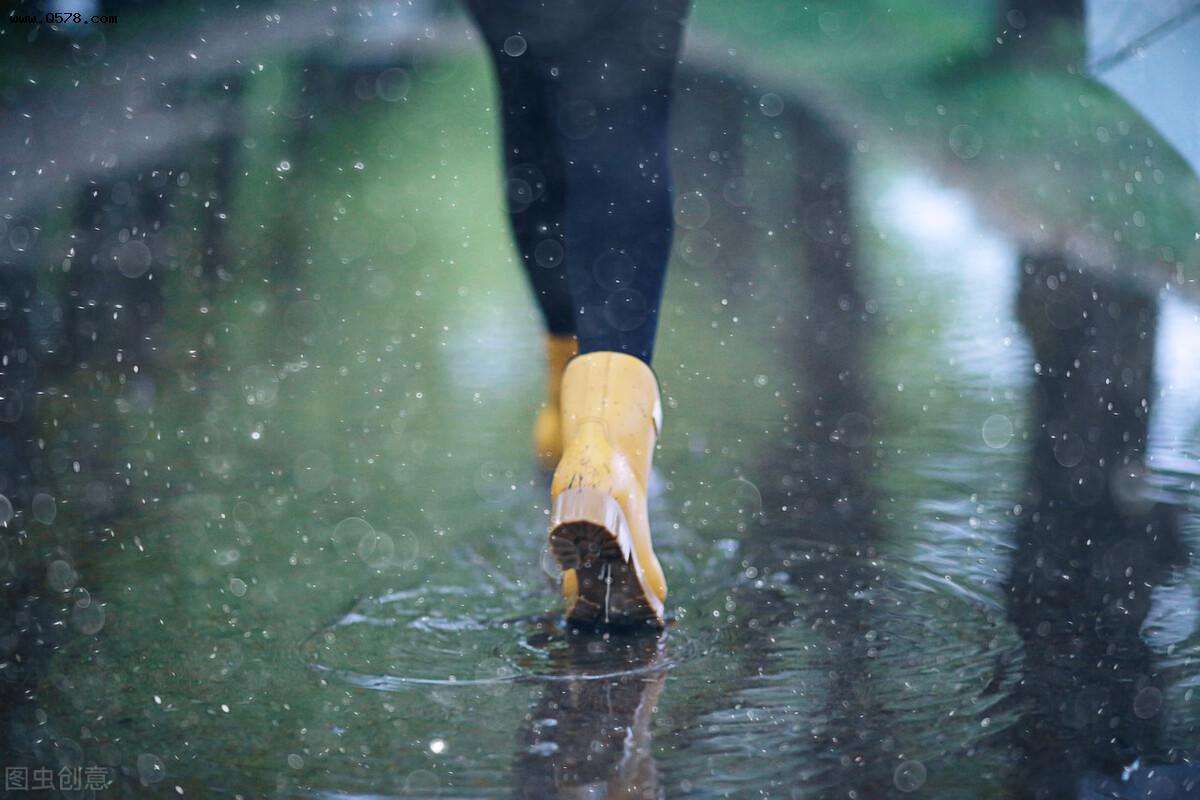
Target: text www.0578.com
(64, 18)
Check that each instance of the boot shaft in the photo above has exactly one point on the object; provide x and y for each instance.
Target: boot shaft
(560, 349)
(617, 396)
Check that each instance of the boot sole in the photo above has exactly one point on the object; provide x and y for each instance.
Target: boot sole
(589, 534)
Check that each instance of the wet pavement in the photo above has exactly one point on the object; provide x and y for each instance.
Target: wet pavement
(926, 522)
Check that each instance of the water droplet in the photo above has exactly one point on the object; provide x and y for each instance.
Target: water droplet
(376, 549)
(392, 85)
(60, 576)
(88, 619)
(260, 386)
(1148, 702)
(44, 508)
(614, 270)
(515, 46)
(150, 768)
(132, 258)
(626, 310)
(771, 104)
(997, 431)
(965, 142)
(909, 776)
(548, 253)
(350, 532)
(692, 210)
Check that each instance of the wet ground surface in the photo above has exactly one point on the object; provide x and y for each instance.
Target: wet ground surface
(329, 579)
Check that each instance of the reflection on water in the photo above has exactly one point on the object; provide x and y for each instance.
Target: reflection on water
(1092, 546)
(590, 735)
(891, 572)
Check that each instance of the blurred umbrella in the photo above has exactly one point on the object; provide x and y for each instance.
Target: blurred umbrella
(1149, 52)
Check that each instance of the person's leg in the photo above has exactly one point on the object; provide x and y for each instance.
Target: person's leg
(535, 189)
(602, 72)
(613, 102)
(534, 163)
(613, 98)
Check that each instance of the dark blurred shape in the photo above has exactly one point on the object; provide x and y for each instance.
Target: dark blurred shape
(806, 562)
(589, 735)
(1090, 547)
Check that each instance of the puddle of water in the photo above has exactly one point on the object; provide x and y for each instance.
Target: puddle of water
(469, 636)
(351, 604)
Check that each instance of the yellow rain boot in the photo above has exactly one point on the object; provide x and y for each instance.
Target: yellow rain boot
(599, 525)
(547, 428)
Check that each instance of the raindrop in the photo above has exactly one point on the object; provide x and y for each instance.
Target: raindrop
(44, 508)
(1068, 450)
(89, 48)
(520, 193)
(294, 761)
(60, 576)
(6, 510)
(965, 142)
(150, 768)
(532, 184)
(1148, 702)
(88, 619)
(351, 531)
(853, 430)
(260, 387)
(997, 431)
(699, 248)
(21, 237)
(548, 253)
(493, 482)
(515, 46)
(407, 548)
(692, 210)
(614, 270)
(420, 782)
(392, 85)
(771, 104)
(909, 776)
(376, 549)
(626, 310)
(132, 258)
(549, 565)
(238, 587)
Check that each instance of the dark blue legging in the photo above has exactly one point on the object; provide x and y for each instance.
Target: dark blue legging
(585, 91)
